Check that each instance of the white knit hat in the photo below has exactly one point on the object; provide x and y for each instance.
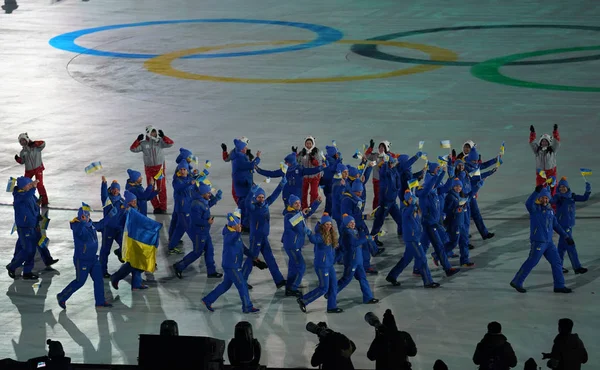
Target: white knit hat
(23, 136)
(311, 139)
(386, 144)
(149, 130)
(470, 143)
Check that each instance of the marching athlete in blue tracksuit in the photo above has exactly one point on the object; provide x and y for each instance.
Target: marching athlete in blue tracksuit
(472, 163)
(126, 268)
(411, 234)
(183, 186)
(542, 221)
(352, 242)
(112, 231)
(294, 231)
(260, 226)
(85, 258)
(353, 205)
(184, 157)
(457, 219)
(332, 159)
(404, 169)
(199, 231)
(134, 185)
(27, 213)
(242, 170)
(233, 255)
(430, 205)
(564, 200)
(388, 192)
(294, 175)
(325, 240)
(338, 188)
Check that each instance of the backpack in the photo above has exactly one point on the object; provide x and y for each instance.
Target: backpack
(495, 360)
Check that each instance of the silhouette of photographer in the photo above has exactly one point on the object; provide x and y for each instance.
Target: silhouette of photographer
(391, 347)
(334, 349)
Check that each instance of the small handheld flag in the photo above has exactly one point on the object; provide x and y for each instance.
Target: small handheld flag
(160, 175)
(194, 159)
(43, 242)
(14, 228)
(87, 208)
(357, 155)
(299, 217)
(93, 167)
(381, 233)
(283, 167)
(12, 182)
(424, 156)
(334, 143)
(374, 211)
(502, 148)
(364, 148)
(413, 183)
(421, 144)
(442, 160)
(475, 173)
(445, 144)
(462, 201)
(585, 172)
(322, 156)
(542, 174)
(44, 222)
(207, 164)
(238, 213)
(204, 173)
(498, 161)
(106, 204)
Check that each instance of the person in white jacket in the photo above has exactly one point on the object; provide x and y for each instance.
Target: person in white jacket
(31, 157)
(545, 149)
(154, 160)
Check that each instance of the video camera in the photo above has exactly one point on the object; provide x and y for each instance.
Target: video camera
(320, 329)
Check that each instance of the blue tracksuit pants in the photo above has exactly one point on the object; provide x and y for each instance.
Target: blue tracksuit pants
(173, 224)
(260, 244)
(539, 249)
(126, 269)
(202, 244)
(569, 249)
(459, 235)
(108, 236)
(242, 206)
(432, 234)
(25, 251)
(231, 277)
(327, 285)
(83, 269)
(477, 219)
(182, 225)
(328, 198)
(413, 250)
(356, 271)
(296, 268)
(383, 211)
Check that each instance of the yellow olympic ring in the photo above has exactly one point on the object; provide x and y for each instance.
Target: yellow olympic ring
(162, 64)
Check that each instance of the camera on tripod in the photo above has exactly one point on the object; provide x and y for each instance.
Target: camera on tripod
(320, 329)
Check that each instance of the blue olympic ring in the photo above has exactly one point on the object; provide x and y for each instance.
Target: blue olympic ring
(325, 35)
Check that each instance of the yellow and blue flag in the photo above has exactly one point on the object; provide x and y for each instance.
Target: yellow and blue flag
(357, 155)
(207, 164)
(424, 156)
(334, 143)
(12, 182)
(421, 144)
(106, 204)
(283, 167)
(542, 174)
(238, 213)
(374, 211)
(160, 175)
(323, 156)
(140, 241)
(413, 183)
(442, 160)
(299, 217)
(93, 167)
(586, 172)
(44, 222)
(445, 144)
(14, 228)
(475, 173)
(502, 148)
(43, 242)
(87, 208)
(194, 159)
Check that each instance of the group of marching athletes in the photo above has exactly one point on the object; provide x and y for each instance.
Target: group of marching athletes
(436, 206)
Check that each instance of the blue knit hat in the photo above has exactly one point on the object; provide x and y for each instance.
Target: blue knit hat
(183, 155)
(133, 175)
(457, 182)
(353, 171)
(23, 181)
(291, 159)
(563, 181)
(259, 191)
(341, 167)
(129, 197)
(115, 185)
(544, 193)
(331, 150)
(458, 161)
(239, 145)
(232, 220)
(326, 218)
(347, 219)
(432, 166)
(357, 186)
(473, 156)
(182, 165)
(403, 158)
(293, 199)
(203, 188)
(83, 210)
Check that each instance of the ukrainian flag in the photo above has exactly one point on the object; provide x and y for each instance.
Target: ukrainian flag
(283, 167)
(585, 172)
(475, 173)
(413, 183)
(299, 217)
(93, 167)
(160, 175)
(445, 144)
(44, 222)
(140, 241)
(502, 148)
(43, 242)
(207, 164)
(12, 182)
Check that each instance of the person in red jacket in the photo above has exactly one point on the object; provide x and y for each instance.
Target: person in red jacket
(31, 157)
(309, 158)
(544, 150)
(154, 160)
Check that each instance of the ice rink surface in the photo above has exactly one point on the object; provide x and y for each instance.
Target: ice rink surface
(92, 107)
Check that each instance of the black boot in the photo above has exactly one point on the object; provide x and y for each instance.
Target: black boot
(562, 290)
(519, 289)
(565, 271)
(581, 270)
(392, 281)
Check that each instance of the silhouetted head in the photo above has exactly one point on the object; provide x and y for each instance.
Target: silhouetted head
(494, 328)
(565, 326)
